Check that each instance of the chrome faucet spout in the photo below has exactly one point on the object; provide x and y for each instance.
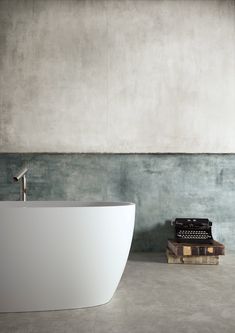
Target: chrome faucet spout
(23, 189)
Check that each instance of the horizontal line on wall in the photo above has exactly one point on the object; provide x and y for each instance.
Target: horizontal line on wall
(107, 153)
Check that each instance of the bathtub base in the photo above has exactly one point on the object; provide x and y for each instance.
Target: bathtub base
(54, 258)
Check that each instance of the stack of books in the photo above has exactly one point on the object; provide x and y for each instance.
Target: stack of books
(193, 243)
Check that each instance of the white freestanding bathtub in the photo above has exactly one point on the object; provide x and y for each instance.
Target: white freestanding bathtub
(62, 255)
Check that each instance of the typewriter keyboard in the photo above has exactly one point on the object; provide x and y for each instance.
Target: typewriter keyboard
(193, 234)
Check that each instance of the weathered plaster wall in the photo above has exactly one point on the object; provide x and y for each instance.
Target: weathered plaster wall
(163, 186)
(117, 76)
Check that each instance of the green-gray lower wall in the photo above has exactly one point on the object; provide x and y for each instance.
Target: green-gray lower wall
(163, 186)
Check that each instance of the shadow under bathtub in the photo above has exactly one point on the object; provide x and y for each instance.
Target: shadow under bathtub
(150, 245)
(158, 257)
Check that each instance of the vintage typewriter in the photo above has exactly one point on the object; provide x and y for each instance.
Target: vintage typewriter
(193, 230)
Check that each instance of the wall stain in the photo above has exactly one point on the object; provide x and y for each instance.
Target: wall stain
(220, 177)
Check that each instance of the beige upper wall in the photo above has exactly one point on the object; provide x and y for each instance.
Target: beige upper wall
(117, 76)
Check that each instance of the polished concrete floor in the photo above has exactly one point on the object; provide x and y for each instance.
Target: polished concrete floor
(153, 297)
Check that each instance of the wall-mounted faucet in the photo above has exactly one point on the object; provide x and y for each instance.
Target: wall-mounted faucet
(23, 189)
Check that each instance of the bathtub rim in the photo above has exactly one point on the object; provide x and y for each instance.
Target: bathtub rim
(64, 204)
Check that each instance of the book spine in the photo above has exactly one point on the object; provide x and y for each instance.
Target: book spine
(206, 250)
(192, 250)
(201, 260)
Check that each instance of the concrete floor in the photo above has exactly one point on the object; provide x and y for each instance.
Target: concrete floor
(153, 297)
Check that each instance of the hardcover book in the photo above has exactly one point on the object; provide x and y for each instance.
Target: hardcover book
(193, 260)
(187, 249)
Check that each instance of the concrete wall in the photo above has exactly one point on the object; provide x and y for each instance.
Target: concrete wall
(117, 76)
(163, 187)
(122, 76)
